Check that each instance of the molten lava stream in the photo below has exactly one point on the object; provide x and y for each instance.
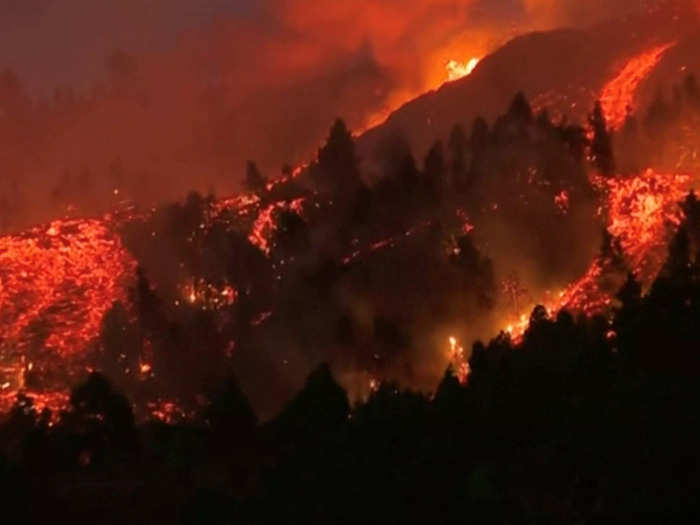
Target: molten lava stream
(56, 284)
(618, 95)
(643, 212)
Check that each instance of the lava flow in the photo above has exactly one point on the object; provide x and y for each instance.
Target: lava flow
(57, 282)
(642, 213)
(619, 95)
(265, 224)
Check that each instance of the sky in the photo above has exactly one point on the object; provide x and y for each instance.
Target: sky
(64, 42)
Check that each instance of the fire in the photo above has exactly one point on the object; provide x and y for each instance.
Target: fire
(562, 201)
(453, 70)
(386, 243)
(53, 401)
(457, 70)
(618, 95)
(641, 209)
(467, 226)
(583, 296)
(458, 360)
(265, 224)
(642, 213)
(57, 282)
(168, 412)
(240, 204)
(208, 296)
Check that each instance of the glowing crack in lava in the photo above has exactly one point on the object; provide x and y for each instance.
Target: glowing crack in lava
(618, 95)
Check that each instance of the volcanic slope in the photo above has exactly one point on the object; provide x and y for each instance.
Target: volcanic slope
(563, 71)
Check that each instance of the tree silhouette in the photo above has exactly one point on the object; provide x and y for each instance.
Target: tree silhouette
(120, 346)
(102, 418)
(337, 161)
(230, 415)
(520, 109)
(435, 172)
(459, 163)
(601, 145)
(320, 407)
(254, 181)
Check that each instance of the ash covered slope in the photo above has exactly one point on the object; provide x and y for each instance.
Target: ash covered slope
(563, 71)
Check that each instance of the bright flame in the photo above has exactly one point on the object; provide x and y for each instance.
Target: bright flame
(458, 360)
(453, 70)
(457, 70)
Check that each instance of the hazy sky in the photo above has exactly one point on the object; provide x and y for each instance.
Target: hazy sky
(58, 42)
(52, 42)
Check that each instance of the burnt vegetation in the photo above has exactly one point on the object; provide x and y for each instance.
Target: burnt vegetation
(582, 419)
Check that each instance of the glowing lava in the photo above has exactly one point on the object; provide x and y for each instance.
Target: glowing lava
(57, 282)
(618, 95)
(208, 296)
(642, 213)
(265, 225)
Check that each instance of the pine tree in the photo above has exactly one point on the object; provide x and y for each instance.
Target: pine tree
(601, 145)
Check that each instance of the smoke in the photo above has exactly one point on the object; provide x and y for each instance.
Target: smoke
(262, 82)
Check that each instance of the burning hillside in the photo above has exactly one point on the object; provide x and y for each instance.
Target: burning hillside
(321, 265)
